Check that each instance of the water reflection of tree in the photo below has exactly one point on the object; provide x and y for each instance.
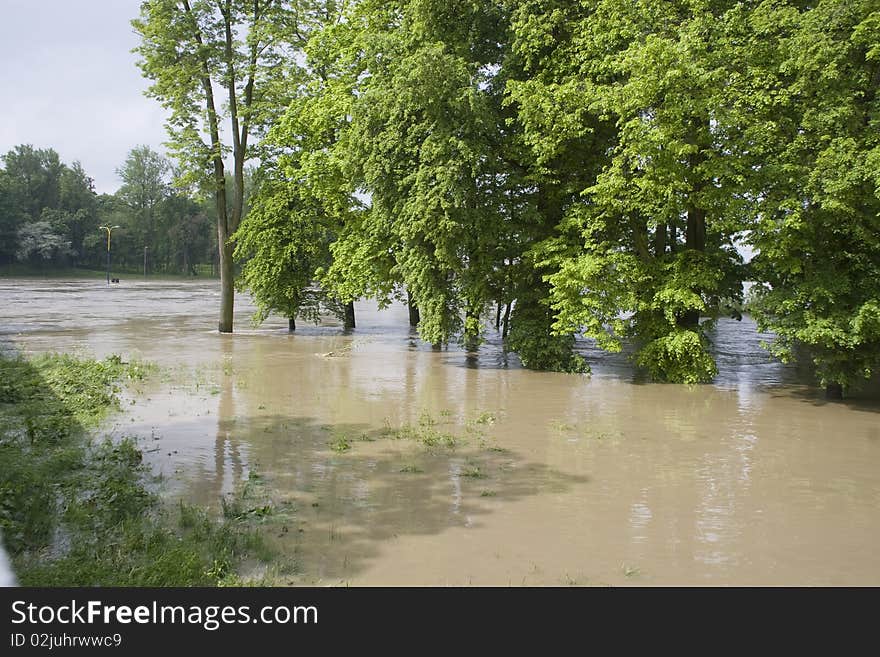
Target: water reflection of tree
(228, 462)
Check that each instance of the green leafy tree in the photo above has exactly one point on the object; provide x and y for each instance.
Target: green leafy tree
(198, 53)
(36, 187)
(635, 93)
(144, 186)
(34, 178)
(10, 219)
(818, 198)
(302, 201)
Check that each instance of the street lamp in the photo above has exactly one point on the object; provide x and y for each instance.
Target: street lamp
(109, 229)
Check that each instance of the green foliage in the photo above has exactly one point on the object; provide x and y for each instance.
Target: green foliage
(532, 339)
(597, 166)
(818, 232)
(75, 512)
(646, 245)
(678, 357)
(281, 245)
(47, 208)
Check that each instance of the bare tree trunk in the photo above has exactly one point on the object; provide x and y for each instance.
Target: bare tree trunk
(291, 324)
(349, 322)
(506, 320)
(498, 317)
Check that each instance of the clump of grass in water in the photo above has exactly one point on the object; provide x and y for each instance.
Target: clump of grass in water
(561, 427)
(411, 469)
(75, 512)
(484, 418)
(426, 420)
(340, 444)
(426, 435)
(473, 472)
(241, 505)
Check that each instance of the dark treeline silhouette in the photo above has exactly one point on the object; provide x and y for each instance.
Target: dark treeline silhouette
(51, 216)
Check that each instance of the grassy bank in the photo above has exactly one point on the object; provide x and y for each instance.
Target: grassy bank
(76, 511)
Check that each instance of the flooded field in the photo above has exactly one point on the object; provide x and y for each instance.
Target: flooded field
(407, 466)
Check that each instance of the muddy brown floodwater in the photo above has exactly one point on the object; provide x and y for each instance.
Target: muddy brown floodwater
(554, 479)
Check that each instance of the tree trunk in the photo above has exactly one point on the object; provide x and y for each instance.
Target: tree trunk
(506, 320)
(227, 287)
(834, 391)
(471, 339)
(291, 324)
(414, 315)
(695, 228)
(349, 316)
(498, 317)
(660, 240)
(640, 232)
(695, 238)
(224, 230)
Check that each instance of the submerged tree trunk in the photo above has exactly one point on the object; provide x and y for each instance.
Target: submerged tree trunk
(471, 337)
(348, 322)
(227, 288)
(414, 315)
(695, 239)
(834, 391)
(695, 228)
(291, 324)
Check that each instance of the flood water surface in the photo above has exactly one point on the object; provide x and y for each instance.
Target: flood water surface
(403, 465)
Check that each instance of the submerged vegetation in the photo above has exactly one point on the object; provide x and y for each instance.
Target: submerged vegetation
(75, 511)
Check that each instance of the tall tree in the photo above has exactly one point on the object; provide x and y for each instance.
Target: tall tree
(144, 186)
(302, 200)
(647, 248)
(818, 193)
(211, 60)
(34, 176)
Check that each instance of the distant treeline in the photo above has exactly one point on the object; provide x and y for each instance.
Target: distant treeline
(51, 217)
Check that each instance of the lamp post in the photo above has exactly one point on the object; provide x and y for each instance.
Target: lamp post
(109, 229)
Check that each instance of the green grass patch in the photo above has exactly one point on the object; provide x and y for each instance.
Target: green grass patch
(340, 444)
(75, 511)
(427, 435)
(473, 472)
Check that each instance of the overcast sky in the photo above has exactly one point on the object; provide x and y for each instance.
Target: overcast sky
(69, 81)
